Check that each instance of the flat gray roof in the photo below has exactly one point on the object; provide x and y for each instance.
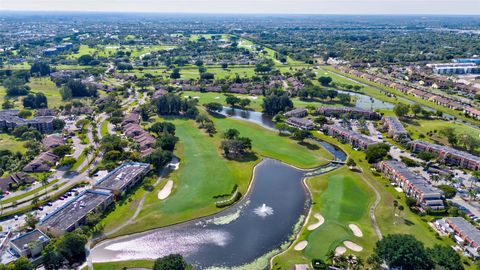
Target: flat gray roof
(466, 227)
(75, 210)
(121, 176)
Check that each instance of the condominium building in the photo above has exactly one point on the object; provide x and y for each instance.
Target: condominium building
(349, 112)
(300, 112)
(73, 214)
(448, 155)
(412, 184)
(464, 233)
(123, 178)
(356, 140)
(29, 245)
(300, 123)
(455, 68)
(9, 119)
(394, 128)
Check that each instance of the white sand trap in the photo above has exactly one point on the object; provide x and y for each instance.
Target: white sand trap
(318, 224)
(217, 97)
(356, 230)
(398, 189)
(340, 250)
(301, 245)
(186, 96)
(196, 97)
(166, 190)
(351, 245)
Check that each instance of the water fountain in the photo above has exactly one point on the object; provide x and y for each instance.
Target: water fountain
(263, 210)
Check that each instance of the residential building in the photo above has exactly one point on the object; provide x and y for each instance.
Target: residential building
(42, 163)
(464, 233)
(467, 60)
(52, 141)
(394, 128)
(349, 112)
(412, 184)
(46, 112)
(300, 123)
(448, 155)
(454, 68)
(29, 245)
(472, 112)
(73, 214)
(15, 179)
(132, 129)
(9, 119)
(300, 112)
(123, 178)
(356, 140)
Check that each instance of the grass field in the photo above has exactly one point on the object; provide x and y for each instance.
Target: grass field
(122, 265)
(204, 173)
(8, 142)
(191, 72)
(400, 96)
(40, 190)
(255, 103)
(409, 222)
(46, 86)
(111, 50)
(417, 127)
(104, 128)
(342, 198)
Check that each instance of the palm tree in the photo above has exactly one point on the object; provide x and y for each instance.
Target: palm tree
(44, 182)
(90, 149)
(35, 202)
(472, 192)
(331, 256)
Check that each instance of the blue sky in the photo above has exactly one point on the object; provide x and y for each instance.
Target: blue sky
(253, 6)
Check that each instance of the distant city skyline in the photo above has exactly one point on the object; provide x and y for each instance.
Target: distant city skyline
(427, 7)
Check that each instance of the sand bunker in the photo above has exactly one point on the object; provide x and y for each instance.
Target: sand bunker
(301, 245)
(340, 250)
(166, 190)
(351, 245)
(318, 224)
(356, 230)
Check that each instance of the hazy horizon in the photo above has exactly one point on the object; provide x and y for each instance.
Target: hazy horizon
(320, 7)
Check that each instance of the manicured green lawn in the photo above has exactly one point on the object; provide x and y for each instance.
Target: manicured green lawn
(375, 93)
(267, 143)
(409, 222)
(40, 190)
(104, 128)
(204, 173)
(11, 143)
(203, 98)
(255, 101)
(122, 265)
(342, 198)
(422, 126)
(47, 87)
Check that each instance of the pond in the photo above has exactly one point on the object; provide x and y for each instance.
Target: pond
(251, 116)
(258, 225)
(363, 101)
(247, 234)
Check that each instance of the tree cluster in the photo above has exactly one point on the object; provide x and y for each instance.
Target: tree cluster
(65, 251)
(402, 251)
(233, 145)
(276, 102)
(35, 101)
